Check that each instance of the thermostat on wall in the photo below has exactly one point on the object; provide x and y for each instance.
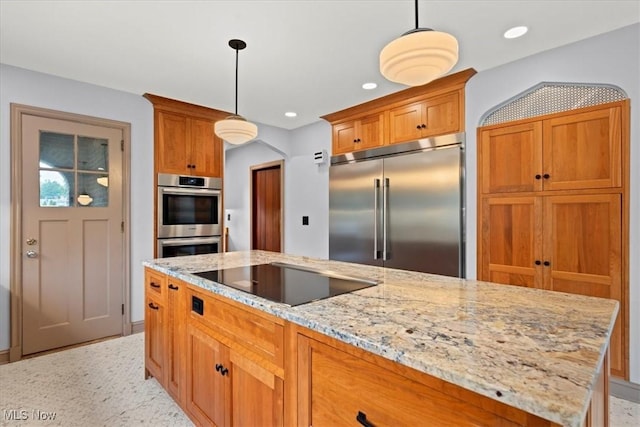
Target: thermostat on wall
(320, 157)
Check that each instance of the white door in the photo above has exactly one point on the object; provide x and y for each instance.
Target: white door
(72, 242)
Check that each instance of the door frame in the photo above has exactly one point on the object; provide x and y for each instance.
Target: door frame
(15, 275)
(268, 165)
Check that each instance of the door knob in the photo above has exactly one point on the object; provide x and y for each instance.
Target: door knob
(31, 242)
(32, 254)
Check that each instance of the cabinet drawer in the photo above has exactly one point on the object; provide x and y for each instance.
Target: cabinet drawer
(341, 388)
(155, 284)
(255, 331)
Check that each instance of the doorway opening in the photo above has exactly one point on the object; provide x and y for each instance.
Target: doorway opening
(267, 206)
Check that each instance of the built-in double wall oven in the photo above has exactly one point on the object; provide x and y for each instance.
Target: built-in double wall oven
(189, 215)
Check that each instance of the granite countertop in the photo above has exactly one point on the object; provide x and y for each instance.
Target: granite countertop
(535, 350)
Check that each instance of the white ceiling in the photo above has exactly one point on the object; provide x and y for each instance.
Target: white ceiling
(306, 56)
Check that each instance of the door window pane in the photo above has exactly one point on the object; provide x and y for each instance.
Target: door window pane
(93, 154)
(88, 185)
(56, 150)
(56, 188)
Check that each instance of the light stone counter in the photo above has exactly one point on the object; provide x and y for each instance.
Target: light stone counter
(535, 350)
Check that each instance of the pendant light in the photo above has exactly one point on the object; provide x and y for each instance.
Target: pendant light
(236, 129)
(84, 198)
(418, 56)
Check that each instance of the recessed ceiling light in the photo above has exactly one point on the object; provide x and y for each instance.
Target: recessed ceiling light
(291, 114)
(515, 32)
(369, 86)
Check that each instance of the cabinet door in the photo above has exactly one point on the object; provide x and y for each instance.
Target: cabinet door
(257, 394)
(344, 136)
(205, 149)
(175, 340)
(512, 241)
(441, 115)
(207, 389)
(405, 123)
(510, 158)
(583, 150)
(336, 388)
(154, 338)
(172, 150)
(371, 132)
(582, 243)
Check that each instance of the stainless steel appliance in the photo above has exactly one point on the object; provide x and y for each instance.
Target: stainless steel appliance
(286, 283)
(400, 206)
(189, 206)
(189, 215)
(188, 246)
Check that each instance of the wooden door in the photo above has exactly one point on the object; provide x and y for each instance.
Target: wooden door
(71, 236)
(208, 392)
(583, 150)
(582, 244)
(512, 240)
(344, 137)
(257, 394)
(510, 158)
(405, 123)
(176, 318)
(266, 209)
(441, 115)
(371, 132)
(205, 149)
(173, 140)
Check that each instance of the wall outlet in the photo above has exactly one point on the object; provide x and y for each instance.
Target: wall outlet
(305, 220)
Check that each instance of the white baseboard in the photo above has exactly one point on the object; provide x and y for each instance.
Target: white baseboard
(624, 390)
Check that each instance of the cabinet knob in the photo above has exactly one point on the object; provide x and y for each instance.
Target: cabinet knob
(538, 176)
(546, 263)
(546, 176)
(218, 367)
(359, 140)
(423, 126)
(224, 371)
(418, 127)
(538, 262)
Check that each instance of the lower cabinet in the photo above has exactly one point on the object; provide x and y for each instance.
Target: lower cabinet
(338, 388)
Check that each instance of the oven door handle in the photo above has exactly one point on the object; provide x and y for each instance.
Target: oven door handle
(194, 241)
(189, 191)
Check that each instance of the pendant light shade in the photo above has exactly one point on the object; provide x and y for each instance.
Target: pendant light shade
(418, 56)
(236, 129)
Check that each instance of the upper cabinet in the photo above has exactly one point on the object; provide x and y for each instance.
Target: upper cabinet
(185, 142)
(430, 117)
(567, 152)
(436, 108)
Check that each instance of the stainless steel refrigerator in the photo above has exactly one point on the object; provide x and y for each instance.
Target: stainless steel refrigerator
(400, 206)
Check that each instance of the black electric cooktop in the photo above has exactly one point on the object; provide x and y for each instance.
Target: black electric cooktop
(286, 283)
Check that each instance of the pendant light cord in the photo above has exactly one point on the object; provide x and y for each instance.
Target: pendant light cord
(236, 113)
(416, 14)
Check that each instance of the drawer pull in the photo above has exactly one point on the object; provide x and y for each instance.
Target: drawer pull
(173, 287)
(362, 419)
(154, 285)
(153, 307)
(218, 367)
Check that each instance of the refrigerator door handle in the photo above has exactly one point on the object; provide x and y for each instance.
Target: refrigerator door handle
(376, 189)
(385, 207)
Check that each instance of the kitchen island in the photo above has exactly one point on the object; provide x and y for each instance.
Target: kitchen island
(444, 350)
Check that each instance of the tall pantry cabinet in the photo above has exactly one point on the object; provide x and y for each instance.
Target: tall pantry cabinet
(553, 207)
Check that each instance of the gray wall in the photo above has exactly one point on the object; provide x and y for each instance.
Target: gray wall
(612, 58)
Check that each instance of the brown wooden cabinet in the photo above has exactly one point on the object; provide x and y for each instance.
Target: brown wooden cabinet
(430, 117)
(553, 207)
(360, 134)
(185, 142)
(436, 108)
(567, 152)
(235, 364)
